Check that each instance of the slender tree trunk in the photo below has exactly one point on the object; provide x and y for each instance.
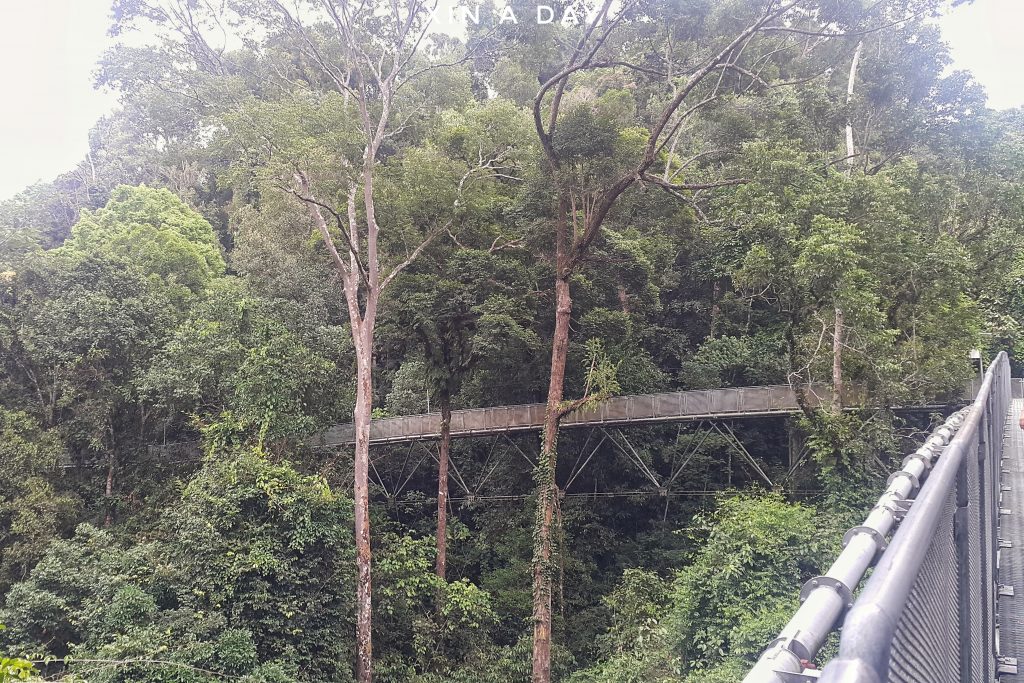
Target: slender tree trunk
(364, 586)
(547, 489)
(850, 149)
(715, 310)
(837, 361)
(623, 298)
(108, 496)
(571, 249)
(443, 449)
(837, 333)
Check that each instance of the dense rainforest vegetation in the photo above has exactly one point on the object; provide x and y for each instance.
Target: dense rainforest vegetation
(311, 212)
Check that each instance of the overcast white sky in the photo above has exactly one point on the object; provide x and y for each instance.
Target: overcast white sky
(49, 48)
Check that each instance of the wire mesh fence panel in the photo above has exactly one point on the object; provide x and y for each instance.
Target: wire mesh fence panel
(973, 601)
(925, 648)
(927, 614)
(983, 639)
(670, 404)
(781, 397)
(725, 400)
(458, 424)
(520, 417)
(384, 429)
(644, 407)
(957, 591)
(427, 425)
(757, 398)
(616, 408)
(697, 402)
(478, 420)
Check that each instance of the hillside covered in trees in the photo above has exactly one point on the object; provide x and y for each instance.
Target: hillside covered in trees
(312, 212)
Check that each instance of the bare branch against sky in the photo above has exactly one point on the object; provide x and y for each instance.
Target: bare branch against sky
(48, 51)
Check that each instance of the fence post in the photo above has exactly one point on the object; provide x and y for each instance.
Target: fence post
(961, 537)
(985, 507)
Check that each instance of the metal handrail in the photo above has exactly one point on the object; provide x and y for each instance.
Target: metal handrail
(827, 597)
(872, 620)
(869, 628)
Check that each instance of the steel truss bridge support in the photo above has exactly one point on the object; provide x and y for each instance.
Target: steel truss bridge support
(934, 604)
(393, 468)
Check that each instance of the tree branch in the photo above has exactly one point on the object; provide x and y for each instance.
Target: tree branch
(314, 207)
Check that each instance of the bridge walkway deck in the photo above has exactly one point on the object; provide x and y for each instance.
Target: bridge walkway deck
(1011, 536)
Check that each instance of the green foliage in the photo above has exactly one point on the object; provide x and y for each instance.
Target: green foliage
(121, 328)
(267, 362)
(33, 509)
(428, 626)
(601, 372)
(76, 333)
(157, 232)
(269, 549)
(16, 669)
(251, 575)
(848, 442)
(250, 571)
(637, 605)
(808, 259)
(758, 551)
(737, 361)
(712, 619)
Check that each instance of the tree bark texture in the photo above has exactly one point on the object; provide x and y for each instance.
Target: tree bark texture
(850, 149)
(572, 247)
(443, 450)
(108, 518)
(361, 490)
(547, 488)
(837, 361)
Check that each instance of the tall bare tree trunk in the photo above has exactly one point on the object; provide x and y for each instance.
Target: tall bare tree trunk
(370, 82)
(571, 251)
(547, 489)
(361, 489)
(837, 361)
(850, 149)
(443, 449)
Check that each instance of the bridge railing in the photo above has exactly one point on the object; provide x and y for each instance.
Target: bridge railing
(619, 410)
(928, 612)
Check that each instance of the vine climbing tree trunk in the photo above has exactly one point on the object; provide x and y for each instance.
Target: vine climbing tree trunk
(108, 491)
(547, 487)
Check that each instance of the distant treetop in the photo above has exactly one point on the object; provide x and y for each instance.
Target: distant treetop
(156, 231)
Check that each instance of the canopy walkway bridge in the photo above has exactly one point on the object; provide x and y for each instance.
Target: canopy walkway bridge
(945, 544)
(711, 411)
(676, 406)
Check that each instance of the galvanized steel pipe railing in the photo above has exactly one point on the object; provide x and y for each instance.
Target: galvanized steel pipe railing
(869, 629)
(826, 598)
